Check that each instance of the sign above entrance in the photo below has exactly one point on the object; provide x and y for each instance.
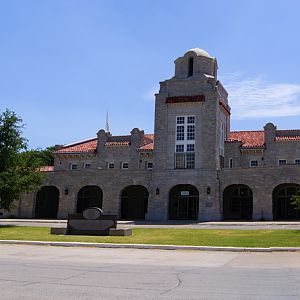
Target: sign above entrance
(184, 193)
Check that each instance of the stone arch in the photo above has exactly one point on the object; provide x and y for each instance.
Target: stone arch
(46, 203)
(237, 202)
(89, 196)
(281, 200)
(183, 202)
(134, 202)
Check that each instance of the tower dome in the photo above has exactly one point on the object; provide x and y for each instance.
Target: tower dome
(198, 52)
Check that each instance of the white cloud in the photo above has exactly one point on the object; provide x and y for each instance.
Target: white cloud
(252, 98)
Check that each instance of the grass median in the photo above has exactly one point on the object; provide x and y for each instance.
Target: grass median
(167, 236)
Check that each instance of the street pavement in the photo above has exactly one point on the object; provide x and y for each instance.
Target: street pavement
(251, 225)
(44, 272)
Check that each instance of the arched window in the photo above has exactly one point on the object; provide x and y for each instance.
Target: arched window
(191, 67)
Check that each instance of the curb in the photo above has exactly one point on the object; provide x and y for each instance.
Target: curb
(145, 246)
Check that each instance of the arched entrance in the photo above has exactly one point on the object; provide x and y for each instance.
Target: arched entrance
(46, 204)
(183, 202)
(237, 202)
(134, 202)
(282, 207)
(89, 196)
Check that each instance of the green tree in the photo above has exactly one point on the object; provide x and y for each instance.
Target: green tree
(296, 201)
(46, 155)
(18, 167)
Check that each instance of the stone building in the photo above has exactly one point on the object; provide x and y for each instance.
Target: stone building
(192, 167)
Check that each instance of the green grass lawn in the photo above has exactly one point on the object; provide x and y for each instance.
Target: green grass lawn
(168, 236)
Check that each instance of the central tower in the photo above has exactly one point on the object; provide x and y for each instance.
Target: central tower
(191, 125)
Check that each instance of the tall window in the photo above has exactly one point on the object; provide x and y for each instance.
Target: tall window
(191, 67)
(230, 163)
(185, 142)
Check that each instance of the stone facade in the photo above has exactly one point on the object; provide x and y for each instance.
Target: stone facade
(193, 167)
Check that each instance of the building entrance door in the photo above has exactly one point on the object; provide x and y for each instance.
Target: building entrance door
(183, 203)
(187, 207)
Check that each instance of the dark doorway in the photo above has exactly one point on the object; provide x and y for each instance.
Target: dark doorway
(183, 202)
(46, 205)
(282, 207)
(134, 202)
(89, 196)
(237, 202)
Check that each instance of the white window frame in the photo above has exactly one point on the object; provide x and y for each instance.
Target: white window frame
(279, 164)
(85, 164)
(122, 165)
(297, 161)
(149, 168)
(110, 163)
(185, 125)
(253, 160)
(72, 165)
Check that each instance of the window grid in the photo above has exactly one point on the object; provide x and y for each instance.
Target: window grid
(124, 165)
(180, 133)
(282, 162)
(149, 165)
(179, 148)
(253, 163)
(185, 142)
(180, 120)
(191, 132)
(297, 161)
(191, 120)
(190, 148)
(73, 166)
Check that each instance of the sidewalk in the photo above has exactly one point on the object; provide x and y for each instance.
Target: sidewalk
(285, 225)
(151, 246)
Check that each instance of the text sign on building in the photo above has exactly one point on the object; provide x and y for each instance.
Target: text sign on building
(184, 193)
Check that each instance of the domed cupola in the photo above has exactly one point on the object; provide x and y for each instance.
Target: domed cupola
(195, 63)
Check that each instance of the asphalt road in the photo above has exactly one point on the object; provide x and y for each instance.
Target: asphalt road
(41, 272)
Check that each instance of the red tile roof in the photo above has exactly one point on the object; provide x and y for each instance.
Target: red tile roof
(47, 169)
(79, 147)
(90, 146)
(147, 147)
(249, 139)
(288, 138)
(288, 135)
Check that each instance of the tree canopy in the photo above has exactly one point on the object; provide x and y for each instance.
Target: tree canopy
(18, 165)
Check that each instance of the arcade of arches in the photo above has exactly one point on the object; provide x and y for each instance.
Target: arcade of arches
(183, 202)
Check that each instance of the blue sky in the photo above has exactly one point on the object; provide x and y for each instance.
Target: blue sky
(64, 63)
